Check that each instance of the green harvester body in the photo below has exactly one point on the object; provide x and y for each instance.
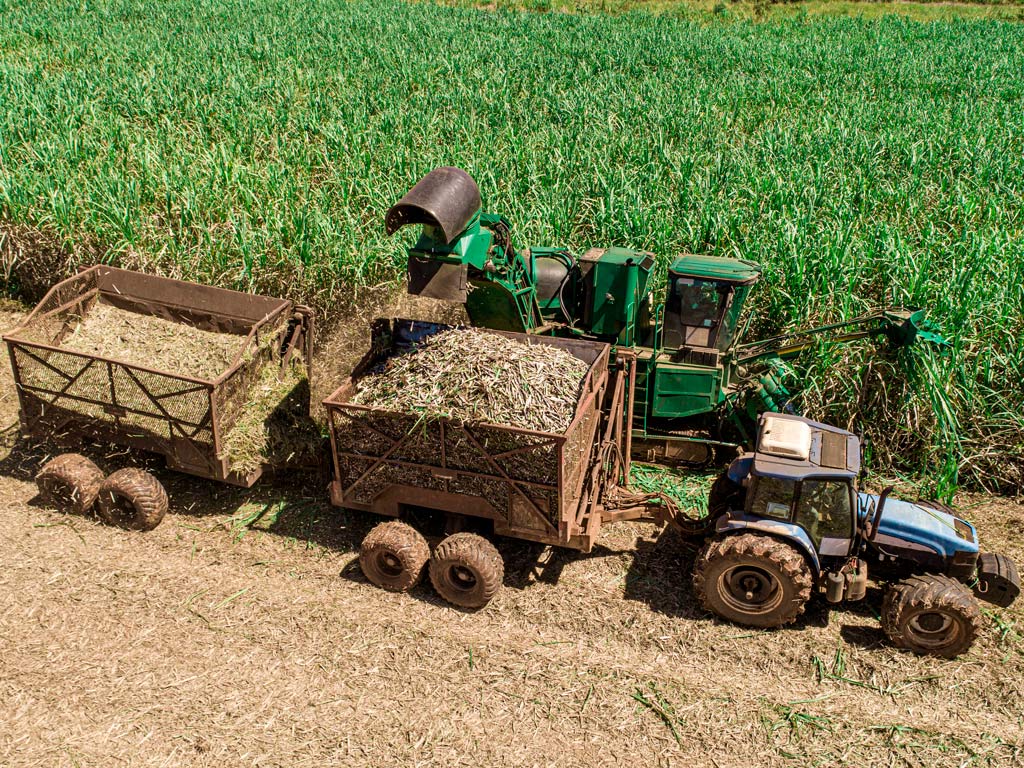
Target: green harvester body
(694, 373)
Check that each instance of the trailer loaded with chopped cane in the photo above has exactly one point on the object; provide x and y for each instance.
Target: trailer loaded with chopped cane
(524, 426)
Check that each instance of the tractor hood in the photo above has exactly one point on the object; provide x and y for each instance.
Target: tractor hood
(918, 527)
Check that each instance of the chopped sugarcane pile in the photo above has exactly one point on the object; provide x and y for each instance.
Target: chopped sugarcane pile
(275, 427)
(149, 341)
(468, 375)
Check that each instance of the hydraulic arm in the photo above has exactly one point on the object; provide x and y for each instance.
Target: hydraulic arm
(901, 327)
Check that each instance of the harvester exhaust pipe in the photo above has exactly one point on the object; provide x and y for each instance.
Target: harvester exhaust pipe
(447, 199)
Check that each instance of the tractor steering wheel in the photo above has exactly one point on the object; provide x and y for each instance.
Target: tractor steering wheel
(871, 523)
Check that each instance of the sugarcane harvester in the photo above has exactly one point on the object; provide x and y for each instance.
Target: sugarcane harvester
(697, 382)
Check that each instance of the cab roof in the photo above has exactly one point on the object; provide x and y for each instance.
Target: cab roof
(830, 452)
(703, 267)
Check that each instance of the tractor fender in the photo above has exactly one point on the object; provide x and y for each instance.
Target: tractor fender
(788, 532)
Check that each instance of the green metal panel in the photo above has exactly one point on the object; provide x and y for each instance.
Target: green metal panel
(685, 390)
(716, 268)
(618, 281)
(470, 247)
(497, 306)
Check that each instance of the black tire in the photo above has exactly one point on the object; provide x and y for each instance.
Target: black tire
(931, 614)
(133, 499)
(724, 496)
(752, 579)
(466, 570)
(70, 483)
(393, 556)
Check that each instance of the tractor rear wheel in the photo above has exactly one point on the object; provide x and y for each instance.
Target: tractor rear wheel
(931, 614)
(393, 556)
(132, 498)
(70, 483)
(466, 570)
(752, 579)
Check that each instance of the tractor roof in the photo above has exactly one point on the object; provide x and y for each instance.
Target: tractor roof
(702, 267)
(795, 448)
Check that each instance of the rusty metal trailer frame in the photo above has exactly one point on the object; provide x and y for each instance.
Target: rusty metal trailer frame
(540, 486)
(65, 395)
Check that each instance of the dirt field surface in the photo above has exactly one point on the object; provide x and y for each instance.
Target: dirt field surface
(241, 632)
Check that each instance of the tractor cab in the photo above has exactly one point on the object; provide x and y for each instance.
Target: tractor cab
(704, 301)
(800, 482)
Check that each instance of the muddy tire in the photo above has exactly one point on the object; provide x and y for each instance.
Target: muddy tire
(133, 499)
(753, 580)
(724, 496)
(466, 570)
(393, 556)
(70, 483)
(931, 614)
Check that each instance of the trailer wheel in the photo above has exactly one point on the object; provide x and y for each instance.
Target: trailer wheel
(466, 570)
(752, 579)
(931, 614)
(133, 499)
(70, 483)
(393, 556)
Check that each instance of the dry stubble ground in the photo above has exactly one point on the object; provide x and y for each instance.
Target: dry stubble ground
(209, 643)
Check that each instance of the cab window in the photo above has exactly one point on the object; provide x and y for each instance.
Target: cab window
(696, 302)
(824, 510)
(772, 497)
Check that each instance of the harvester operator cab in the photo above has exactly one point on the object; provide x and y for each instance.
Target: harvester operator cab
(704, 302)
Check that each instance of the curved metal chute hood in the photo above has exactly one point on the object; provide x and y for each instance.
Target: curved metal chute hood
(446, 198)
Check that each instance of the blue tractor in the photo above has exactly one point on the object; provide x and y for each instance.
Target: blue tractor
(789, 521)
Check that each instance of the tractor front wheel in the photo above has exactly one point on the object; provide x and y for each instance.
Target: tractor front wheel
(466, 570)
(931, 614)
(393, 556)
(752, 579)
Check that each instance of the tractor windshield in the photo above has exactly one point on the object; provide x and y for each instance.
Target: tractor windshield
(825, 510)
(772, 497)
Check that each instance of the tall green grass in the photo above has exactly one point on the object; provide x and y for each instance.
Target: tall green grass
(257, 145)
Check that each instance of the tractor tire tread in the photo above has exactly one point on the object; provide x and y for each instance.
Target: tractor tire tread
(141, 490)
(742, 548)
(405, 543)
(70, 483)
(930, 591)
(473, 551)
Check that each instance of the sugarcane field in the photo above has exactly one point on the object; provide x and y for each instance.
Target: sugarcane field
(515, 383)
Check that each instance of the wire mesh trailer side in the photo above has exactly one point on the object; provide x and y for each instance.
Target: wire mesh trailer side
(529, 483)
(65, 395)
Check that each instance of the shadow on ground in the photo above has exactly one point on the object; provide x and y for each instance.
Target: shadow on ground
(294, 504)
